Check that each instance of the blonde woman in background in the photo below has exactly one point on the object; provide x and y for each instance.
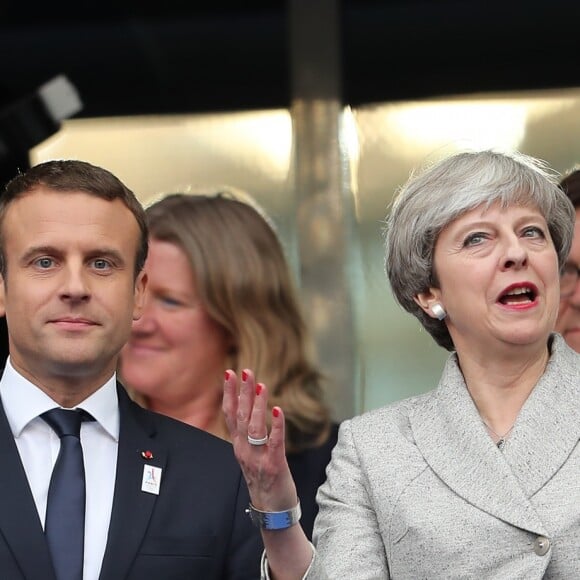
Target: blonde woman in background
(221, 296)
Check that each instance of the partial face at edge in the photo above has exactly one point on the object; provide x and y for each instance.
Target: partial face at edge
(568, 323)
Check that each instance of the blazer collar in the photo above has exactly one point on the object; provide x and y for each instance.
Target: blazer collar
(453, 440)
(548, 426)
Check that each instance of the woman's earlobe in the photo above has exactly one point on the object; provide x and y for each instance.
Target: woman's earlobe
(438, 311)
(430, 304)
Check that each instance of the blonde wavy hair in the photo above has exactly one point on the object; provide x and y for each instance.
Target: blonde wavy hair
(244, 282)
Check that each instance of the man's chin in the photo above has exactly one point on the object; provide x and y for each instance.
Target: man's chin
(77, 365)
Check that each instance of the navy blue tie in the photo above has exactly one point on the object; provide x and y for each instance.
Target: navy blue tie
(64, 525)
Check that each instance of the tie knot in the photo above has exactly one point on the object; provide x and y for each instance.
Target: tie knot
(66, 421)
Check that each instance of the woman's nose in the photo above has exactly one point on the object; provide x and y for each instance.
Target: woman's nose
(515, 254)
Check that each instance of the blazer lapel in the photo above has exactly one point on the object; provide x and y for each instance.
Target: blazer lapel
(548, 426)
(132, 507)
(453, 440)
(19, 522)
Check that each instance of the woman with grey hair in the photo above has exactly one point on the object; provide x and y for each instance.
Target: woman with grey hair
(477, 478)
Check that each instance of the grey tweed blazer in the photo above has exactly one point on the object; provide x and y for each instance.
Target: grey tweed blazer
(418, 489)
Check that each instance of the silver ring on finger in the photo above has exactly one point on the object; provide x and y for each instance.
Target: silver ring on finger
(258, 442)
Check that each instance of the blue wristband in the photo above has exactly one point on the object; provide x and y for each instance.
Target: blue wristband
(274, 520)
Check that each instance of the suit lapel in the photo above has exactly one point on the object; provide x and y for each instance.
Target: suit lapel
(132, 508)
(548, 426)
(19, 521)
(451, 436)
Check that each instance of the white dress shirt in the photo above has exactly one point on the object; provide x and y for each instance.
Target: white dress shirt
(39, 445)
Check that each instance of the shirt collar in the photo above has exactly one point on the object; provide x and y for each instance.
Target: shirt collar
(23, 402)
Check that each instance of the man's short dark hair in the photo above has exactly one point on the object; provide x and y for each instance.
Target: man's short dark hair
(570, 184)
(73, 175)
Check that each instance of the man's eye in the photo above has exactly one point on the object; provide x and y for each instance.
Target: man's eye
(101, 264)
(44, 262)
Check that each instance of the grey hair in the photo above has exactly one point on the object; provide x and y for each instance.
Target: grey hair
(440, 193)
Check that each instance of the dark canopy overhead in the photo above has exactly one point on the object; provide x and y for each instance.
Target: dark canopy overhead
(127, 57)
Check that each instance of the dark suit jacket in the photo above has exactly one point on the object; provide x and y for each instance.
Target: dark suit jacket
(195, 528)
(309, 472)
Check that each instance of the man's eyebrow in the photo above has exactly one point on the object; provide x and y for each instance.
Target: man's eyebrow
(38, 250)
(106, 253)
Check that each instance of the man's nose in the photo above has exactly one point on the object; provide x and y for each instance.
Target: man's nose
(75, 285)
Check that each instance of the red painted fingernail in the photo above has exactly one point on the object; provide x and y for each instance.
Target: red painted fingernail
(227, 375)
(259, 388)
(275, 411)
(244, 376)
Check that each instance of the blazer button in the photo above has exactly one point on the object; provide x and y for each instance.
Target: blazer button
(541, 545)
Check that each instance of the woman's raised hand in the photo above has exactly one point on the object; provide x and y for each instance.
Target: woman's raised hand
(260, 454)
(262, 457)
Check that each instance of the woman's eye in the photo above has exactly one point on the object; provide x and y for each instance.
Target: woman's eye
(167, 301)
(474, 239)
(533, 232)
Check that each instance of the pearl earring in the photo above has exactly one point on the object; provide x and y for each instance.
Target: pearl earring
(438, 311)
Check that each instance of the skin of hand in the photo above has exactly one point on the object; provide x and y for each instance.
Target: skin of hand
(266, 471)
(265, 468)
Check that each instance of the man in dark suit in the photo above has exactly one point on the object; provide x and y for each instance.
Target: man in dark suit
(163, 500)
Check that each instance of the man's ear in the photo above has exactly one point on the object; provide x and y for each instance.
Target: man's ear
(139, 297)
(2, 296)
(427, 299)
